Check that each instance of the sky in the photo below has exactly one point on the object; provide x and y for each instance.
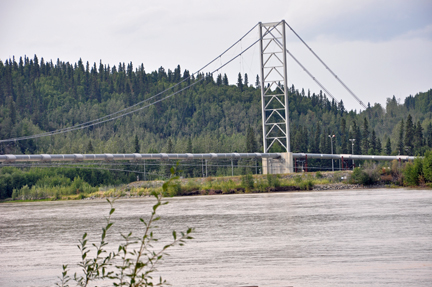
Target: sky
(379, 48)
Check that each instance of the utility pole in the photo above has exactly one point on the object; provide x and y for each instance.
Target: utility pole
(352, 152)
(331, 141)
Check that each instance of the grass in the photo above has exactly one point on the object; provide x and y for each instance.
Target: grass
(211, 185)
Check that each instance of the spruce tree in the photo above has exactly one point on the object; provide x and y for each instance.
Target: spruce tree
(409, 135)
(418, 137)
(388, 149)
(251, 145)
(219, 80)
(365, 137)
(316, 142)
(373, 143)
(189, 148)
(257, 82)
(429, 135)
(246, 81)
(240, 82)
(90, 147)
(378, 149)
(136, 144)
(344, 140)
(400, 145)
(225, 80)
(357, 136)
(170, 148)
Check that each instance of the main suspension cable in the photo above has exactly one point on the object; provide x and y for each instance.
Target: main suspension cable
(303, 67)
(322, 62)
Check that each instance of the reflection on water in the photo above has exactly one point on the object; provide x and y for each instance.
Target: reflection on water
(336, 238)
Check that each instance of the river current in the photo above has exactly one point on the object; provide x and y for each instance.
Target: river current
(368, 237)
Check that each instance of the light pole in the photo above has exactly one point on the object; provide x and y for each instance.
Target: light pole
(352, 144)
(331, 141)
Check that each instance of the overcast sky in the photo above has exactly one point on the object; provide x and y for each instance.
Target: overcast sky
(379, 48)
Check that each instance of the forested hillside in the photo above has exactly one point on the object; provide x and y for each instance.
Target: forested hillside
(212, 116)
(37, 96)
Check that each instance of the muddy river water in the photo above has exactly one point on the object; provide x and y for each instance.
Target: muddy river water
(368, 237)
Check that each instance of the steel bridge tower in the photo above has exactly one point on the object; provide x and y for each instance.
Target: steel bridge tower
(274, 86)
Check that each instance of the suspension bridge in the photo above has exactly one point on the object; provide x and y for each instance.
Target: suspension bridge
(275, 115)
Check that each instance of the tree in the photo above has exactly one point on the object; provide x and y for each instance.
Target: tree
(90, 147)
(429, 135)
(316, 141)
(219, 80)
(400, 145)
(418, 137)
(189, 148)
(356, 134)
(137, 145)
(388, 148)
(373, 143)
(378, 149)
(240, 82)
(225, 80)
(257, 82)
(365, 137)
(409, 135)
(246, 81)
(251, 144)
(170, 148)
(344, 141)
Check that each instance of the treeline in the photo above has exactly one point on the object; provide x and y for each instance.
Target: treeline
(212, 116)
(67, 180)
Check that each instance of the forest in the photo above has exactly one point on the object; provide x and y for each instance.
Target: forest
(38, 96)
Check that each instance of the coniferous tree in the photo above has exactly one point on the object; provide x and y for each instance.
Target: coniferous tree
(400, 145)
(429, 135)
(388, 148)
(240, 82)
(251, 144)
(225, 80)
(418, 137)
(189, 148)
(373, 143)
(170, 148)
(344, 140)
(90, 147)
(257, 82)
(356, 135)
(365, 137)
(219, 80)
(409, 135)
(246, 81)
(378, 149)
(137, 145)
(316, 142)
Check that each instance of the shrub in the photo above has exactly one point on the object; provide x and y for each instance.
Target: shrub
(360, 176)
(227, 186)
(413, 172)
(318, 174)
(247, 182)
(132, 267)
(306, 184)
(173, 189)
(427, 166)
(273, 180)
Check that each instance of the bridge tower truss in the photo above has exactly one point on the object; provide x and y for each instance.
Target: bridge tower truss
(274, 86)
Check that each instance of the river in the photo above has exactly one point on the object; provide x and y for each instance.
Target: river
(368, 237)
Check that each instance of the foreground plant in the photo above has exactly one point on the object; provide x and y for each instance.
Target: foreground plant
(127, 266)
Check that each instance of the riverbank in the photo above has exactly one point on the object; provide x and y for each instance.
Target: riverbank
(293, 182)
